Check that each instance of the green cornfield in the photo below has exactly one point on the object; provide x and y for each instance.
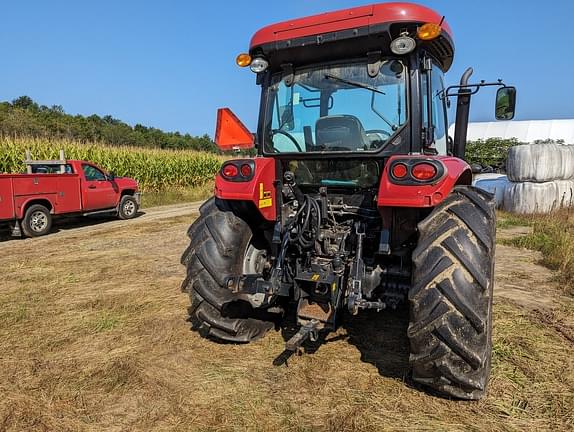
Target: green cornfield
(154, 169)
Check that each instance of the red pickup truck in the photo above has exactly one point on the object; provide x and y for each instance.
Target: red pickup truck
(30, 201)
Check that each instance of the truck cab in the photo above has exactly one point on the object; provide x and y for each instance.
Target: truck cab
(102, 190)
(49, 189)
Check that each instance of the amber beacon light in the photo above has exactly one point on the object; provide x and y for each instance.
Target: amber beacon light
(429, 31)
(243, 60)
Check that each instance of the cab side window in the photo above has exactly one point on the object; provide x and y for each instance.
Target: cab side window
(92, 173)
(439, 120)
(51, 169)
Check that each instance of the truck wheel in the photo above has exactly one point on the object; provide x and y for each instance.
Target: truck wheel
(451, 297)
(37, 221)
(128, 208)
(221, 246)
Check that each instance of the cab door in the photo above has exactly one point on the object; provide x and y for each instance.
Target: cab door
(98, 192)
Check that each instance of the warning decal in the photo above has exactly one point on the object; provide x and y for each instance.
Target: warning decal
(265, 199)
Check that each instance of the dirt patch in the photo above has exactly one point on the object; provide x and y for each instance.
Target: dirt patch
(512, 232)
(93, 336)
(519, 278)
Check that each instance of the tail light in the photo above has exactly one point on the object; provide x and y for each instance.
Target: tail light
(400, 170)
(229, 171)
(414, 171)
(246, 170)
(238, 170)
(424, 171)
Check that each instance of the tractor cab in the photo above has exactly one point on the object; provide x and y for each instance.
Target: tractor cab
(356, 87)
(367, 82)
(357, 199)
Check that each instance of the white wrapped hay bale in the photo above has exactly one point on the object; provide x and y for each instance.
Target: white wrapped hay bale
(530, 197)
(495, 184)
(540, 163)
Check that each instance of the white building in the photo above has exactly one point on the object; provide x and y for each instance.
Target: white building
(526, 131)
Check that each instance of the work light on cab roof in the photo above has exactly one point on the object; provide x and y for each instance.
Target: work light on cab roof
(257, 64)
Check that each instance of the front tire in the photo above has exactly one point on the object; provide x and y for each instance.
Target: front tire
(37, 221)
(128, 207)
(219, 242)
(451, 297)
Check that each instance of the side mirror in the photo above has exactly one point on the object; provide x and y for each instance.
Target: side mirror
(505, 103)
(112, 176)
(231, 133)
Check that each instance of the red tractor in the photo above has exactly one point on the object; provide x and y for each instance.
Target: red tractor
(357, 198)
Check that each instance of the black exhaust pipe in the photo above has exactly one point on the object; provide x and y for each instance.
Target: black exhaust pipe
(462, 112)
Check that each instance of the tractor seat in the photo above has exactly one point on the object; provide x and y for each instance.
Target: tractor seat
(340, 133)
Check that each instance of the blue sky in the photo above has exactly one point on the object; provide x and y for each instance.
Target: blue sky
(171, 64)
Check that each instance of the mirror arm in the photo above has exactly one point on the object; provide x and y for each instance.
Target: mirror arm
(474, 88)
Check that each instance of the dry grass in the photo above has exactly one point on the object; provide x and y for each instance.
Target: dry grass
(553, 236)
(93, 337)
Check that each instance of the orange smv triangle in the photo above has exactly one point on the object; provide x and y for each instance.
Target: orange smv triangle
(231, 133)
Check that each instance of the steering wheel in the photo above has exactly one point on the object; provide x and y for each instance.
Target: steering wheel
(378, 131)
(288, 135)
(382, 135)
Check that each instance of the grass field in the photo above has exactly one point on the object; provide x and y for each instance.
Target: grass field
(93, 336)
(156, 170)
(553, 236)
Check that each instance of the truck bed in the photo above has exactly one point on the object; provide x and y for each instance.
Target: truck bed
(63, 190)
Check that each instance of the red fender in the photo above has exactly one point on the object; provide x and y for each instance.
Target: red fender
(420, 194)
(259, 189)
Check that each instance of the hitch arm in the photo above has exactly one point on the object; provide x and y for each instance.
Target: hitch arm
(357, 273)
(307, 331)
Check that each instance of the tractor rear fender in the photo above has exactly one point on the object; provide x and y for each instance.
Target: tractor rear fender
(407, 191)
(258, 187)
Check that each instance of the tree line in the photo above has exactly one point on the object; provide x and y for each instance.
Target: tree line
(24, 117)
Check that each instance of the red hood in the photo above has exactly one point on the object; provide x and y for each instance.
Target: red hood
(126, 183)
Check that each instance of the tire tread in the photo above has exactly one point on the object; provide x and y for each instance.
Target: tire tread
(451, 305)
(215, 237)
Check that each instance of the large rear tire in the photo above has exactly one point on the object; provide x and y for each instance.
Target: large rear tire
(451, 297)
(220, 240)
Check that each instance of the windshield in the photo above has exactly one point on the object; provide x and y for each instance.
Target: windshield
(336, 108)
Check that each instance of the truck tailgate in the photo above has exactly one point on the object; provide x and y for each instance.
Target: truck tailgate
(6, 200)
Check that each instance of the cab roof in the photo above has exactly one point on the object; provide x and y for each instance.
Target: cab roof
(372, 22)
(361, 16)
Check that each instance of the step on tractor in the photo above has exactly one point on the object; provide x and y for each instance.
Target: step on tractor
(357, 198)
